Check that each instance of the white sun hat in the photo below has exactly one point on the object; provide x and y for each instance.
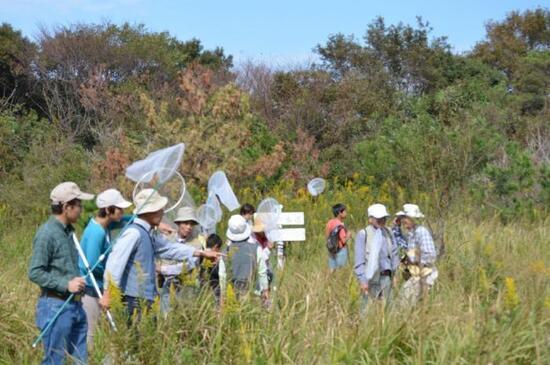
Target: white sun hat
(377, 211)
(412, 211)
(148, 201)
(186, 214)
(237, 228)
(111, 198)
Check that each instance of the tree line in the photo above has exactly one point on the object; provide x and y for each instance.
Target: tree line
(394, 107)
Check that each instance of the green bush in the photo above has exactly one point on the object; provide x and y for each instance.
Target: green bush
(49, 161)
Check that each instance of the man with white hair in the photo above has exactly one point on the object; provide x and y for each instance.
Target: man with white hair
(376, 256)
(421, 255)
(131, 264)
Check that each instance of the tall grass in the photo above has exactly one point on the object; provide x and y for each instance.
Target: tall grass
(490, 305)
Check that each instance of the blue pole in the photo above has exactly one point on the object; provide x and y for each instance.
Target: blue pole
(101, 258)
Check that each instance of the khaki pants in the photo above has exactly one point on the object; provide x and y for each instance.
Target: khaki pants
(416, 287)
(93, 312)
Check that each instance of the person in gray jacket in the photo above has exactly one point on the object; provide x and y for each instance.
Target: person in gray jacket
(376, 257)
(245, 259)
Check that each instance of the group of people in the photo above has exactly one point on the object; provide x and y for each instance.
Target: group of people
(380, 251)
(148, 261)
(143, 263)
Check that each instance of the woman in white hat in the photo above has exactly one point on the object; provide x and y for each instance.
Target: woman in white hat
(95, 242)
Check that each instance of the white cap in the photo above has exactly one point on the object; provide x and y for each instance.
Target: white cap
(67, 191)
(148, 201)
(111, 198)
(377, 211)
(237, 228)
(400, 213)
(412, 211)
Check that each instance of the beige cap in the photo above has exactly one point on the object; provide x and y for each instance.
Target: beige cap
(185, 214)
(148, 201)
(111, 198)
(68, 191)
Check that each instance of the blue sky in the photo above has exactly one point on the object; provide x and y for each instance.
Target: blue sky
(278, 32)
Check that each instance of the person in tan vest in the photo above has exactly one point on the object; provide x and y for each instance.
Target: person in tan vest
(376, 257)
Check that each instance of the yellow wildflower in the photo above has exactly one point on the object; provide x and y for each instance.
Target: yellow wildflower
(511, 298)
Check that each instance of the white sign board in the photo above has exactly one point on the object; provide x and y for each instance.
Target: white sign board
(291, 219)
(288, 234)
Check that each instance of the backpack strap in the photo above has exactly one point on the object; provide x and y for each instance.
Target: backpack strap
(388, 241)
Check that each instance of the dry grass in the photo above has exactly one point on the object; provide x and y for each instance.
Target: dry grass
(491, 305)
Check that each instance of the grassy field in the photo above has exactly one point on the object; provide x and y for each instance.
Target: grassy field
(491, 304)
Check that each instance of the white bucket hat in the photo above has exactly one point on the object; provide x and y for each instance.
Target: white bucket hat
(185, 214)
(148, 201)
(237, 228)
(110, 198)
(377, 211)
(412, 211)
(67, 191)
